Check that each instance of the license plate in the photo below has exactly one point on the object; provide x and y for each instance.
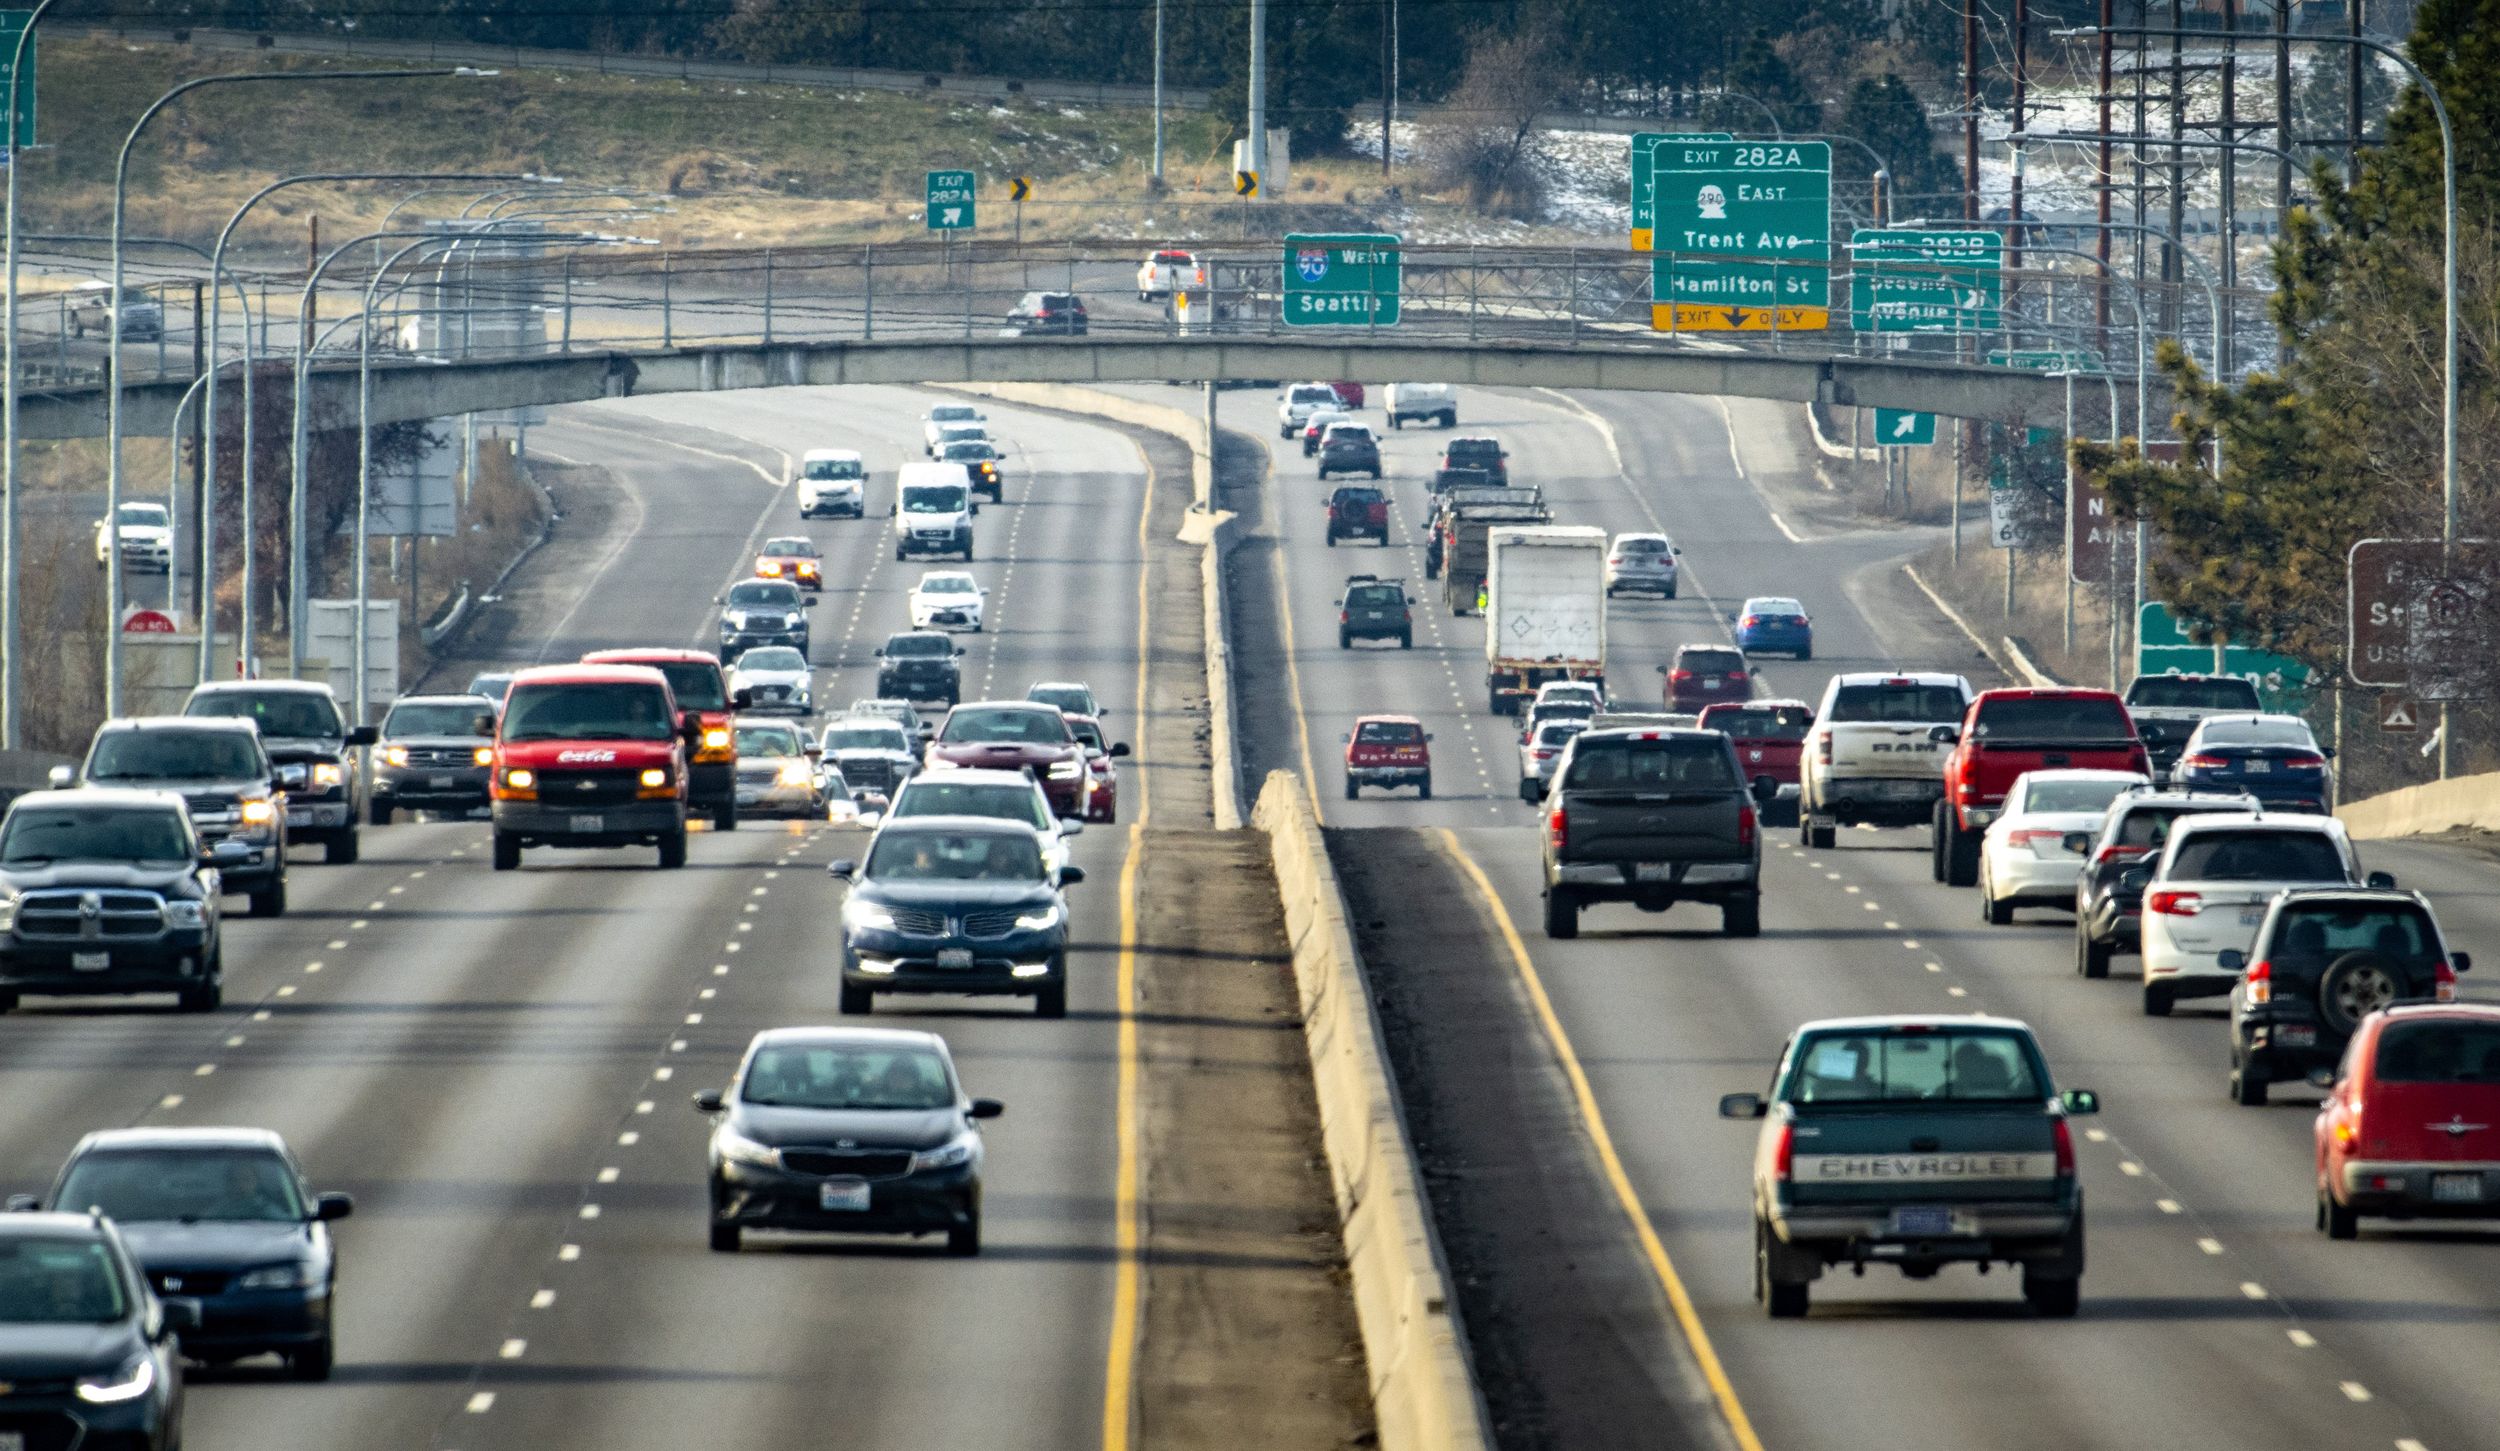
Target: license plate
(1922, 1220)
(442, 783)
(1710, 682)
(2256, 768)
(299, 818)
(2251, 916)
(850, 1195)
(589, 825)
(954, 957)
(88, 962)
(12, 1441)
(2457, 1188)
(2297, 1036)
(1653, 872)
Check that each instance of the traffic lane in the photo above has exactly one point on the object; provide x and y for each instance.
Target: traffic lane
(2407, 1313)
(1663, 1011)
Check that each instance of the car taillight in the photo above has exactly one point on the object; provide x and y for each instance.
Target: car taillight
(2260, 981)
(2205, 762)
(2175, 904)
(1344, 616)
(1546, 753)
(1823, 750)
(2443, 984)
(2030, 835)
(1680, 675)
(1736, 675)
(1557, 830)
(1744, 825)
(1748, 622)
(2113, 853)
(1618, 559)
(2305, 763)
(2065, 1148)
(1784, 1151)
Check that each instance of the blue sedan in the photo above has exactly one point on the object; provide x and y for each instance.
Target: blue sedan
(2274, 758)
(1774, 624)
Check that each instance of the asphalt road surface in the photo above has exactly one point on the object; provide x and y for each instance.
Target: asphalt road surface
(2213, 1314)
(498, 1065)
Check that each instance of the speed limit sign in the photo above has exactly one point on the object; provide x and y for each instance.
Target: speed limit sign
(2001, 525)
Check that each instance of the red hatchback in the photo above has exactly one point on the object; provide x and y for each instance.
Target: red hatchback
(1388, 751)
(1704, 675)
(1770, 740)
(2411, 1126)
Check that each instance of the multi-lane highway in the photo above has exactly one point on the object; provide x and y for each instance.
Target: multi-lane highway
(1598, 1212)
(498, 1065)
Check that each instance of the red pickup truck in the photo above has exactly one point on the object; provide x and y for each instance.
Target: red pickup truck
(2007, 732)
(1770, 740)
(1388, 751)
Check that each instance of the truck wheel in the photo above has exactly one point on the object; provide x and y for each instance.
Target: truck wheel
(1423, 789)
(1935, 842)
(2054, 1299)
(1527, 790)
(341, 850)
(1741, 917)
(1450, 419)
(507, 852)
(2091, 957)
(1051, 1002)
(1351, 789)
(1818, 835)
(202, 999)
(673, 850)
(1784, 1299)
(725, 816)
(2248, 1085)
(2338, 1221)
(1397, 422)
(1961, 862)
(1562, 914)
(378, 811)
(1406, 639)
(856, 1002)
(2159, 999)
(1993, 912)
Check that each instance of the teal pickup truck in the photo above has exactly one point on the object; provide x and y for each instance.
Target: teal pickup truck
(1914, 1142)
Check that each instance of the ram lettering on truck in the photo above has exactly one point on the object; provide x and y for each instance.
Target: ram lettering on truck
(1545, 612)
(1871, 757)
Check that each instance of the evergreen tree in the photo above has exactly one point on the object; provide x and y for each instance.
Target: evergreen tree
(1887, 116)
(1759, 72)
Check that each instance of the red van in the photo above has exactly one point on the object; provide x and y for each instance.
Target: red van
(591, 755)
(695, 678)
(2411, 1124)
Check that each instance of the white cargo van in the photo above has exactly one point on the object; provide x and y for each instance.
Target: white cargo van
(1423, 402)
(933, 509)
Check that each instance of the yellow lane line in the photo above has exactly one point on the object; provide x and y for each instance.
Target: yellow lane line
(1293, 683)
(1740, 1426)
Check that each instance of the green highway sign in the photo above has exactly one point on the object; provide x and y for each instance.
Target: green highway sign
(2051, 360)
(2163, 648)
(1901, 428)
(1644, 199)
(13, 25)
(1341, 280)
(1945, 281)
(953, 201)
(1743, 235)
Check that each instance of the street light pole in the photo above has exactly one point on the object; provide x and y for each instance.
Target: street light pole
(12, 706)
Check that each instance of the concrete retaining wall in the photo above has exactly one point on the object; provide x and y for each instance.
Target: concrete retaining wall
(1424, 1395)
(2466, 803)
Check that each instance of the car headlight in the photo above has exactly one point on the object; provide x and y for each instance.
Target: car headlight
(943, 763)
(126, 1384)
(1041, 920)
(951, 1154)
(796, 772)
(483, 755)
(739, 1149)
(655, 777)
(1066, 770)
(186, 914)
(8, 914)
(716, 738)
(734, 620)
(326, 774)
(867, 916)
(274, 1277)
(259, 812)
(395, 755)
(521, 778)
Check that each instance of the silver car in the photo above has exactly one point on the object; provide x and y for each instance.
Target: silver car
(1642, 563)
(777, 771)
(776, 680)
(1541, 751)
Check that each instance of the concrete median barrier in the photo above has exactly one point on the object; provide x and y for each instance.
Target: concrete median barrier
(2465, 803)
(1423, 1390)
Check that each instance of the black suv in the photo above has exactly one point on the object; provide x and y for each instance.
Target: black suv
(956, 904)
(227, 785)
(2324, 959)
(87, 1350)
(106, 892)
(320, 759)
(920, 665)
(2109, 914)
(1472, 461)
(1048, 313)
(1373, 608)
(433, 757)
(761, 612)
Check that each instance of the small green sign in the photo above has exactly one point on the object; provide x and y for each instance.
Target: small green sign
(953, 201)
(1946, 281)
(1348, 280)
(1644, 195)
(2162, 647)
(2051, 360)
(1901, 428)
(13, 25)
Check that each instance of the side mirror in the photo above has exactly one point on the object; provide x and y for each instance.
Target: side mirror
(892, 509)
(813, 750)
(60, 776)
(181, 1312)
(1346, 739)
(1427, 737)
(741, 700)
(334, 1206)
(23, 1204)
(2322, 1078)
(1070, 876)
(2077, 842)
(1765, 790)
(2081, 1101)
(2135, 879)
(1662, 669)
(2231, 959)
(960, 652)
(708, 1101)
(985, 1108)
(1743, 1105)
(1071, 826)
(1944, 735)
(2460, 962)
(364, 735)
(230, 854)
(2384, 881)
(2327, 751)
(482, 723)
(879, 652)
(1118, 748)
(842, 868)
(716, 599)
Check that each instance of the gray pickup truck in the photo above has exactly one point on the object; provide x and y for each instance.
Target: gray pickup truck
(1917, 1142)
(1653, 818)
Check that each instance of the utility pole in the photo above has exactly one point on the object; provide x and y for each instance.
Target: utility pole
(2282, 113)
(200, 437)
(2100, 305)
(1970, 109)
(2173, 265)
(2228, 233)
(2352, 116)
(1258, 88)
(1388, 77)
(2022, 81)
(1158, 94)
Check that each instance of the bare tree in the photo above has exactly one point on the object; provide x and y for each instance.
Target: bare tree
(1484, 140)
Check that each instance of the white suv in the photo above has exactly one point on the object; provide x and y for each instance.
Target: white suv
(832, 481)
(2209, 891)
(1294, 406)
(1642, 562)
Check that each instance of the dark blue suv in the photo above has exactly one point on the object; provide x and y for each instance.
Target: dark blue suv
(87, 1350)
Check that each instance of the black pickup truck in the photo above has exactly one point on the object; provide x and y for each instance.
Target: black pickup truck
(1653, 818)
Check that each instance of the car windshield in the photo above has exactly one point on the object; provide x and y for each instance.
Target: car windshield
(141, 1186)
(1313, 393)
(1042, 727)
(1709, 662)
(933, 499)
(954, 856)
(2436, 1050)
(846, 1076)
(1075, 699)
(866, 738)
(1915, 1064)
(2257, 733)
(909, 646)
(1772, 605)
(969, 451)
(758, 592)
(436, 718)
(173, 755)
(1389, 733)
(765, 740)
(697, 684)
(1760, 722)
(1375, 596)
(1473, 450)
(588, 711)
(2315, 934)
(144, 515)
(937, 796)
(2150, 825)
(2257, 856)
(954, 413)
(2175, 692)
(834, 468)
(47, 1281)
(2073, 795)
(1088, 733)
(1358, 498)
(2018, 719)
(1634, 545)
(74, 833)
(1559, 732)
(772, 657)
(793, 548)
(1903, 704)
(492, 684)
(290, 714)
(947, 584)
(1567, 709)
(1685, 763)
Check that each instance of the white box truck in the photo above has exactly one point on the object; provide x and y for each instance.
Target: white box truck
(1545, 611)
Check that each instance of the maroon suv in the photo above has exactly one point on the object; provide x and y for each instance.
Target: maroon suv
(1017, 735)
(1706, 675)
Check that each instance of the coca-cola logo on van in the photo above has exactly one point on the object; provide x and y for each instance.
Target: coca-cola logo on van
(585, 755)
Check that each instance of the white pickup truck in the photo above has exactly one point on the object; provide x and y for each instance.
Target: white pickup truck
(1167, 272)
(1869, 756)
(2166, 709)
